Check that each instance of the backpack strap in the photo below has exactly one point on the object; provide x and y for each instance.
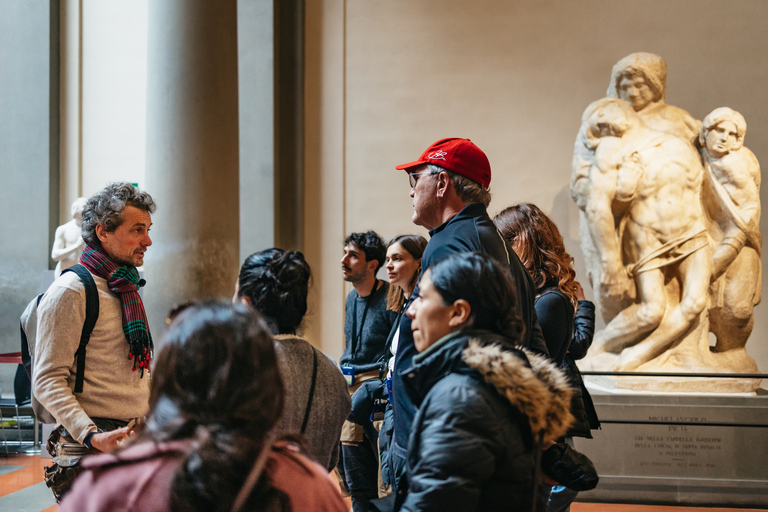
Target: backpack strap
(91, 314)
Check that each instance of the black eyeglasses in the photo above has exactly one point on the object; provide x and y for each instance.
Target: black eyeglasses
(412, 179)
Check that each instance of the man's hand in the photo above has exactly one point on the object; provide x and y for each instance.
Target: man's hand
(108, 442)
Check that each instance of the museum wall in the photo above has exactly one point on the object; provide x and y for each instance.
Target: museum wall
(28, 158)
(386, 79)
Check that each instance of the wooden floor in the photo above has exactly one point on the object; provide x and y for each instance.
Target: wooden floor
(30, 471)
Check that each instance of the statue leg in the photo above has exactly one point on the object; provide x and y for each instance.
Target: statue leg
(733, 321)
(637, 319)
(695, 272)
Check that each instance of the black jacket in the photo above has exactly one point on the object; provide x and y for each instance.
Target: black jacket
(585, 416)
(471, 230)
(555, 313)
(482, 409)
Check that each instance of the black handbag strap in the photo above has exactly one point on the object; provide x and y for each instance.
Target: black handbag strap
(311, 391)
(91, 314)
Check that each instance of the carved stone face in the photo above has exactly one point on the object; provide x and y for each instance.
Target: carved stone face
(721, 138)
(635, 91)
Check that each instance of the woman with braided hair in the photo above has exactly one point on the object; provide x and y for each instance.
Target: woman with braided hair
(209, 443)
(276, 283)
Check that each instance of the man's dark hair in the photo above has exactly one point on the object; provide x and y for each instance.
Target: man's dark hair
(371, 244)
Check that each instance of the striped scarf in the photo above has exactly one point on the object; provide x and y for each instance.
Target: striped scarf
(124, 281)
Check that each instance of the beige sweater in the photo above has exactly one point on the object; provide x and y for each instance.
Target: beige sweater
(111, 389)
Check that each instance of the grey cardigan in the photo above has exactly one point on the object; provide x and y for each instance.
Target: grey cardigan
(330, 403)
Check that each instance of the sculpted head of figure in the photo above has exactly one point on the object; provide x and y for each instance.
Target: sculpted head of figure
(77, 209)
(607, 117)
(722, 131)
(639, 79)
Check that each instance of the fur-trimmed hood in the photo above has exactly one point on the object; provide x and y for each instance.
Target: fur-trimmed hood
(536, 387)
(528, 381)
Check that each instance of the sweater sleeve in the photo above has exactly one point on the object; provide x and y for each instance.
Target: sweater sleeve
(60, 319)
(555, 316)
(583, 330)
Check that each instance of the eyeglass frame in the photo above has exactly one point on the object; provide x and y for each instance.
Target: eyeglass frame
(412, 180)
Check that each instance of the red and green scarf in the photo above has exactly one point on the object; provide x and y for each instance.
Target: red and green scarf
(125, 282)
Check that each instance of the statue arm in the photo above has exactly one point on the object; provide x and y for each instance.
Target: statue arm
(628, 179)
(582, 161)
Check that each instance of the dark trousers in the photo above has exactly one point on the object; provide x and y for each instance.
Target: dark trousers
(359, 466)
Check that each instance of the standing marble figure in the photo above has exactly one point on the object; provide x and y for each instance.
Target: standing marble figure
(68, 241)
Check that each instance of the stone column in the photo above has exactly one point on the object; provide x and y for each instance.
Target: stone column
(192, 153)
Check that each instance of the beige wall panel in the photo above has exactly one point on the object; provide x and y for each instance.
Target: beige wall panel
(514, 76)
(114, 83)
(324, 168)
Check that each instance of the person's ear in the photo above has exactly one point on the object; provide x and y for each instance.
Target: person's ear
(443, 182)
(373, 266)
(460, 314)
(245, 300)
(101, 232)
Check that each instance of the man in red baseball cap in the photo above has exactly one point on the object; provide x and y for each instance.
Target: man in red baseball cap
(450, 190)
(459, 174)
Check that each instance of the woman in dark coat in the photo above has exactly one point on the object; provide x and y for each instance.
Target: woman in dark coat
(538, 243)
(485, 406)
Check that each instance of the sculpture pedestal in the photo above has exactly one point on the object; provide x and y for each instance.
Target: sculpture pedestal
(680, 449)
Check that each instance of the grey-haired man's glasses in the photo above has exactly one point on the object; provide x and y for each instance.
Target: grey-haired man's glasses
(412, 177)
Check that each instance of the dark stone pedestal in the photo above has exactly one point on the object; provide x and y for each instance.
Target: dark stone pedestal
(680, 450)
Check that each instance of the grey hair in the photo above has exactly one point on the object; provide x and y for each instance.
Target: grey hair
(468, 191)
(106, 207)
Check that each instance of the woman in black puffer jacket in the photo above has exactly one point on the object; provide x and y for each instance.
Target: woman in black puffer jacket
(484, 406)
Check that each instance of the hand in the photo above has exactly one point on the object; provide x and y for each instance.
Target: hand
(578, 291)
(628, 179)
(108, 442)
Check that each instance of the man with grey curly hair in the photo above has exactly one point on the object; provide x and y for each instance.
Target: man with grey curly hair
(96, 401)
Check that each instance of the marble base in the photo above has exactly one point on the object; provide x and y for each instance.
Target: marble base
(680, 449)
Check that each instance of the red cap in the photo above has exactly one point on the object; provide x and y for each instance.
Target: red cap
(458, 155)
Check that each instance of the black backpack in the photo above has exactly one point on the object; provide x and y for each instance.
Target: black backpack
(28, 324)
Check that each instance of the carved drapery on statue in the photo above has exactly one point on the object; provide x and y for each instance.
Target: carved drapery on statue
(669, 223)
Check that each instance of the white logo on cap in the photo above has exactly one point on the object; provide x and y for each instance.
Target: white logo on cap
(437, 155)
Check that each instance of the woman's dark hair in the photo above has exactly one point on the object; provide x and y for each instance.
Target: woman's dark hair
(276, 282)
(539, 245)
(217, 384)
(415, 245)
(485, 285)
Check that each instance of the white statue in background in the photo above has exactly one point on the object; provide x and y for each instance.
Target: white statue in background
(68, 241)
(670, 236)
(732, 197)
